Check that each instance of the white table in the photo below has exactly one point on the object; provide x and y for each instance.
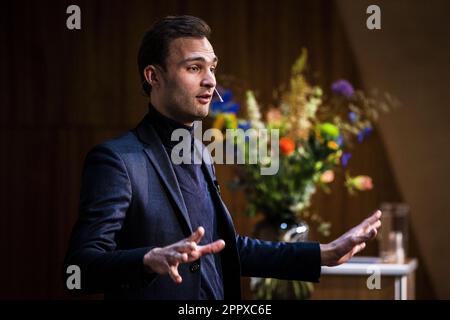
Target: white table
(363, 266)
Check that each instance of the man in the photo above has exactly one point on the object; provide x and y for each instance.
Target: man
(151, 229)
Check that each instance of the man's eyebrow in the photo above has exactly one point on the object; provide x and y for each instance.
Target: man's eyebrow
(199, 58)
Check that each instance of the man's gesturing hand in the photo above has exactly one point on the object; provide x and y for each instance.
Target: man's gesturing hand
(351, 242)
(166, 260)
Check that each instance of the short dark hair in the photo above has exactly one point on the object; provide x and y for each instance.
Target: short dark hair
(155, 44)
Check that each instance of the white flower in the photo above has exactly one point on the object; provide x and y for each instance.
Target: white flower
(299, 206)
(254, 114)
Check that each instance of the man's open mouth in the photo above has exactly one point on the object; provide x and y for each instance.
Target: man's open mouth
(204, 98)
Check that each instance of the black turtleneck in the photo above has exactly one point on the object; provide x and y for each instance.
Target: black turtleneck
(196, 195)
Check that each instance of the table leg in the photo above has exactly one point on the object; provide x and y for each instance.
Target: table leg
(401, 288)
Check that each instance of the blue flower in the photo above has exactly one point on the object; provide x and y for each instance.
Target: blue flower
(244, 125)
(340, 140)
(345, 158)
(227, 106)
(364, 133)
(343, 88)
(227, 96)
(353, 117)
(360, 136)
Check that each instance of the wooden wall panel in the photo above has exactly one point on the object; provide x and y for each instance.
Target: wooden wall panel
(64, 91)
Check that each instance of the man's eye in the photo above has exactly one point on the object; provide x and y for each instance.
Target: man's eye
(194, 68)
(213, 69)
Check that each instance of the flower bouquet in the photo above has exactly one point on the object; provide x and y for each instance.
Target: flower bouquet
(317, 131)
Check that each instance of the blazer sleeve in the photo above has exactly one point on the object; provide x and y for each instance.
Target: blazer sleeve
(104, 200)
(281, 260)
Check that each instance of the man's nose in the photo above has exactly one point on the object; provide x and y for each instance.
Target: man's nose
(209, 80)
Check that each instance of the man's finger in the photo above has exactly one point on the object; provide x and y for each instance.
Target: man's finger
(376, 225)
(373, 218)
(360, 247)
(194, 255)
(370, 227)
(173, 273)
(186, 246)
(357, 240)
(213, 247)
(197, 235)
(373, 229)
(177, 257)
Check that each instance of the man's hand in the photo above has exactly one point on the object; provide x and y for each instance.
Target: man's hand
(351, 242)
(166, 260)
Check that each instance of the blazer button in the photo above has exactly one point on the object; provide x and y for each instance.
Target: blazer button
(194, 267)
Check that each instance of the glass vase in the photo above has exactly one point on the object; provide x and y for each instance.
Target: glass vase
(276, 289)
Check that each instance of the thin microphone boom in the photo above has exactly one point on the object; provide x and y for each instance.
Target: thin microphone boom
(220, 98)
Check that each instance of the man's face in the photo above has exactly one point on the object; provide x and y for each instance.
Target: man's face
(189, 81)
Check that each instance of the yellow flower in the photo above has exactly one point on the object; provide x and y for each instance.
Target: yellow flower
(231, 121)
(332, 145)
(219, 121)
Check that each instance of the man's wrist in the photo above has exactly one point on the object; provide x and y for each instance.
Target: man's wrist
(325, 254)
(147, 261)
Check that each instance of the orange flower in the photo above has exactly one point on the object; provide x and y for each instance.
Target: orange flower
(287, 146)
(332, 145)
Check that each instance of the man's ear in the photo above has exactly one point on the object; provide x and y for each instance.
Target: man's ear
(151, 75)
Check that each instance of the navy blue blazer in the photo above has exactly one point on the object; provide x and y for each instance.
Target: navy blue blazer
(130, 202)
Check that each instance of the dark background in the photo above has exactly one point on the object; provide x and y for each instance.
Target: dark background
(63, 91)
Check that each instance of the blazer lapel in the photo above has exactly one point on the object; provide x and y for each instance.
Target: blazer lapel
(162, 163)
(211, 179)
(232, 271)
